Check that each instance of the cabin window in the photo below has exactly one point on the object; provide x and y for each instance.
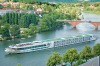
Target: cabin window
(41, 45)
(20, 48)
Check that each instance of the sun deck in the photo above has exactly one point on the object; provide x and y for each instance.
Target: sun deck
(28, 44)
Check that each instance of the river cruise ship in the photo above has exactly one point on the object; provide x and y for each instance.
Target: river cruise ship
(50, 43)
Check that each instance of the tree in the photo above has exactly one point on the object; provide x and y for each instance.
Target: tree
(43, 27)
(86, 53)
(8, 6)
(33, 19)
(16, 18)
(25, 32)
(1, 6)
(96, 49)
(18, 64)
(79, 62)
(30, 7)
(23, 21)
(70, 56)
(5, 31)
(0, 25)
(26, 19)
(14, 31)
(86, 4)
(54, 59)
(48, 22)
(33, 29)
(5, 18)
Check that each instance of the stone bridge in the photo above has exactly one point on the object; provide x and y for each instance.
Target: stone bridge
(76, 22)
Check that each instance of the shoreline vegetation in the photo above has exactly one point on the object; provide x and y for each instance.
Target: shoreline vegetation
(28, 18)
(31, 17)
(73, 57)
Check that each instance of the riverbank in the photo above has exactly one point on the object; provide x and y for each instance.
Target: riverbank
(40, 17)
(93, 8)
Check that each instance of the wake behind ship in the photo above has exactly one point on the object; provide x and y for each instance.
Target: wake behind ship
(50, 43)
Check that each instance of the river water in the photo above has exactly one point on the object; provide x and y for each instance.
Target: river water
(39, 58)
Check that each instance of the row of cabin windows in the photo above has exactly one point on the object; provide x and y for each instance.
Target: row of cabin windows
(75, 40)
(63, 44)
(38, 46)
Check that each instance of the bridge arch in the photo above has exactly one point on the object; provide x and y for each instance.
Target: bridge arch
(76, 22)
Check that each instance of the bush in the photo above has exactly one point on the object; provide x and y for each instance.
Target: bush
(1, 6)
(96, 49)
(23, 35)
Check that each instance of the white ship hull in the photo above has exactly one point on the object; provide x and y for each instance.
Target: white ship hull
(21, 51)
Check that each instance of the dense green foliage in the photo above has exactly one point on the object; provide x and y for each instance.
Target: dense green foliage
(54, 59)
(22, 19)
(19, 65)
(86, 53)
(79, 62)
(8, 6)
(48, 22)
(1, 6)
(73, 57)
(32, 29)
(96, 49)
(15, 31)
(30, 7)
(30, 21)
(70, 56)
(15, 22)
(5, 31)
